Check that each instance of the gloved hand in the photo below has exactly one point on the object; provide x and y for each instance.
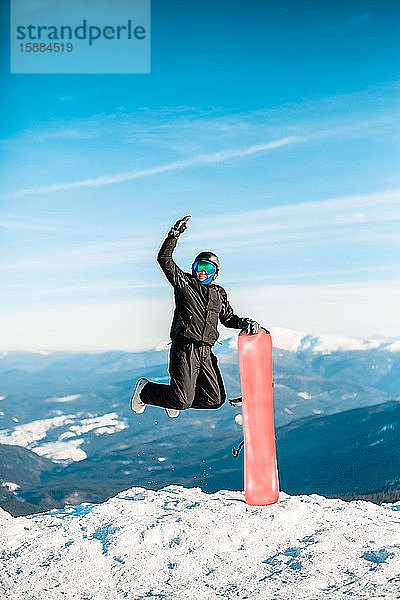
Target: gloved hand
(179, 227)
(249, 325)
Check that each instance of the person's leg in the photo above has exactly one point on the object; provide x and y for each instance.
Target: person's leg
(179, 393)
(209, 391)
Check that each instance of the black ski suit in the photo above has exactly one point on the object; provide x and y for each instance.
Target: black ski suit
(196, 380)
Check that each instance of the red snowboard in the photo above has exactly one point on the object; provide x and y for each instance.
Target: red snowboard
(261, 485)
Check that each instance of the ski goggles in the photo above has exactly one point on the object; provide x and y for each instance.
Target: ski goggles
(203, 265)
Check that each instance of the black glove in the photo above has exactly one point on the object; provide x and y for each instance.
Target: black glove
(249, 325)
(179, 227)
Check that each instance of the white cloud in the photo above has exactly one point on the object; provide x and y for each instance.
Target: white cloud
(357, 218)
(201, 159)
(370, 219)
(305, 219)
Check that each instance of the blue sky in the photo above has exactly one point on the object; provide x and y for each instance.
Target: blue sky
(276, 126)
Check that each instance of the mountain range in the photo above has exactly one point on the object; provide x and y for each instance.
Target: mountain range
(68, 435)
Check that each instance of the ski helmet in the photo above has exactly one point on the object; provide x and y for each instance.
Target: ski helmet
(210, 257)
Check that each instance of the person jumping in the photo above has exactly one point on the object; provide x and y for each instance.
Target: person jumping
(195, 378)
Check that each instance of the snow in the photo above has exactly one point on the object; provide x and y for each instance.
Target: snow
(62, 451)
(108, 423)
(165, 345)
(335, 343)
(304, 395)
(65, 398)
(30, 434)
(239, 419)
(377, 442)
(10, 485)
(181, 543)
(233, 342)
(388, 427)
(394, 347)
(297, 341)
(286, 339)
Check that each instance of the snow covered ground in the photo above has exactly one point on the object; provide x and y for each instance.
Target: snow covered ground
(66, 448)
(181, 543)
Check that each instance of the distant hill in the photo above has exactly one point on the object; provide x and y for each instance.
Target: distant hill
(70, 414)
(20, 469)
(351, 454)
(354, 454)
(313, 375)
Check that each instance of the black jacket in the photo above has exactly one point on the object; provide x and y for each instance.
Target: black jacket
(197, 306)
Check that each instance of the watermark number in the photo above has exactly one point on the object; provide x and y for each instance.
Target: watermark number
(52, 47)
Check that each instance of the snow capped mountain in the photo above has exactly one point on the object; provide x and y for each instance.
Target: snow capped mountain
(297, 341)
(283, 338)
(182, 543)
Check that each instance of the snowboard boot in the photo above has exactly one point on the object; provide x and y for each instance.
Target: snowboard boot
(137, 405)
(172, 412)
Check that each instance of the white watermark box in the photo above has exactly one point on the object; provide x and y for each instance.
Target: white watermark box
(80, 36)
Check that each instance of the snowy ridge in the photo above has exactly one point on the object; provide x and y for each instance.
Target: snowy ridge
(181, 543)
(297, 341)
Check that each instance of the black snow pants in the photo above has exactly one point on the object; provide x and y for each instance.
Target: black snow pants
(196, 380)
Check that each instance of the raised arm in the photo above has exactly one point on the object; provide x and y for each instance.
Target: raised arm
(164, 257)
